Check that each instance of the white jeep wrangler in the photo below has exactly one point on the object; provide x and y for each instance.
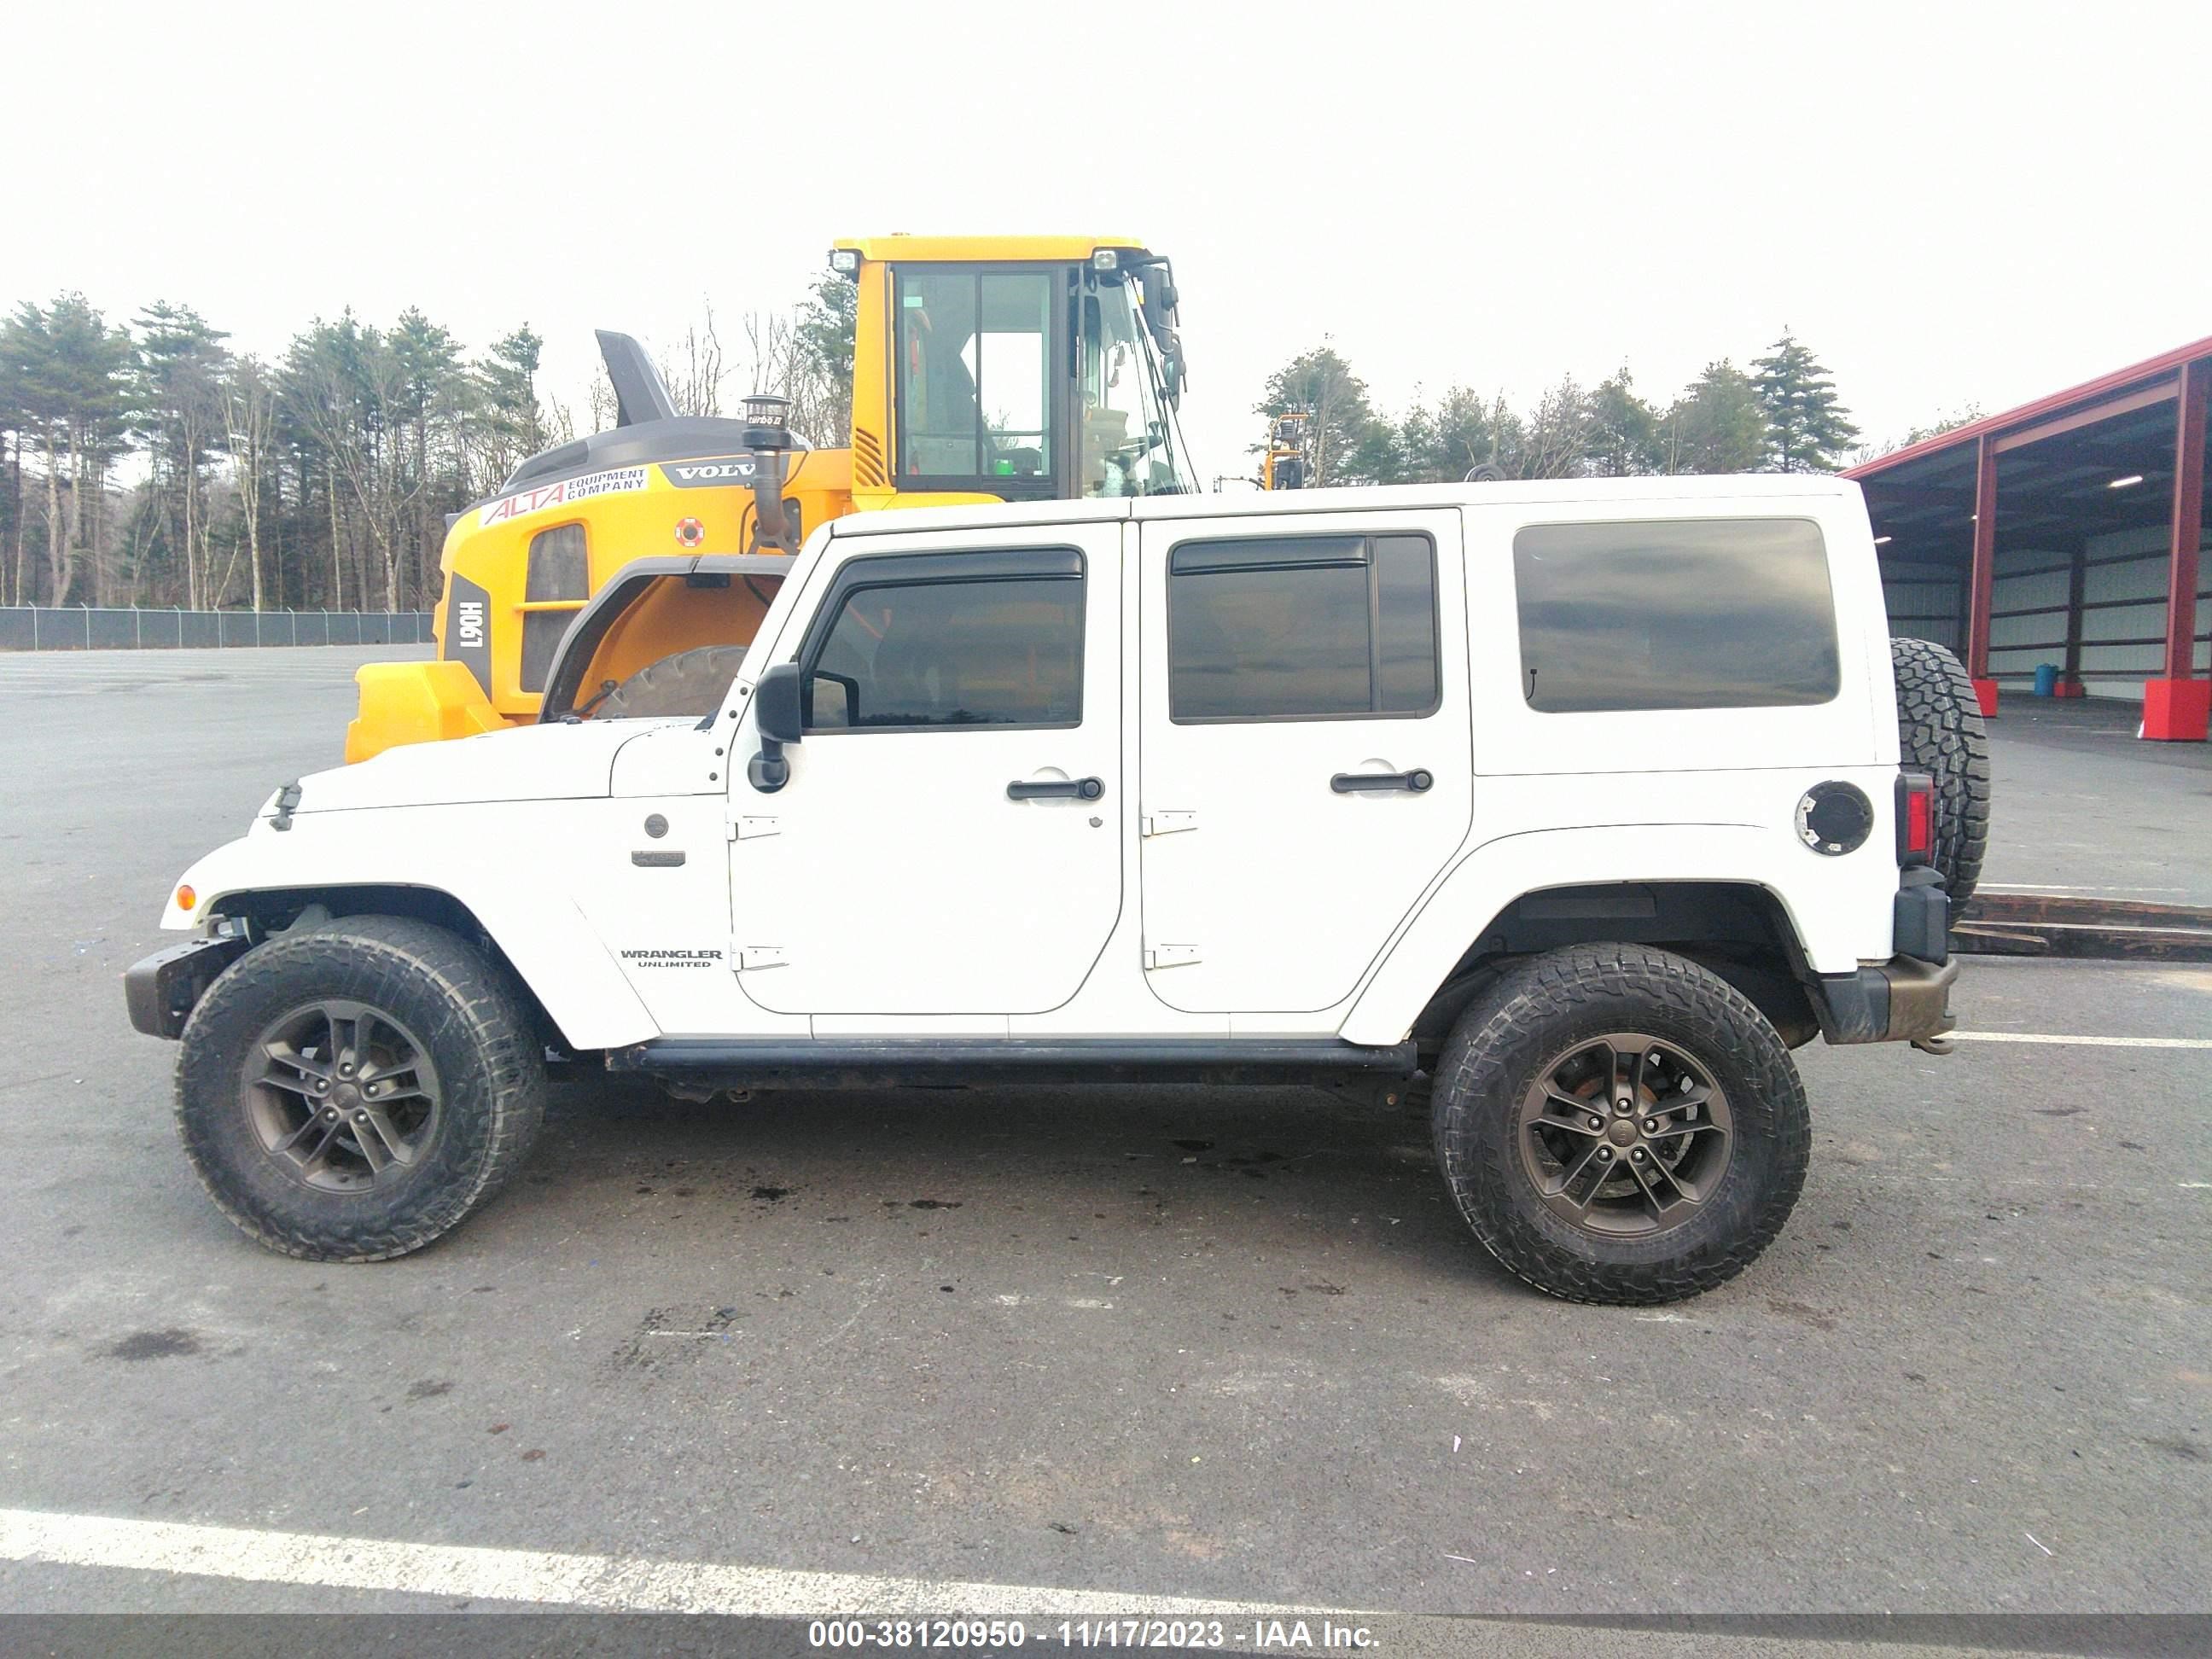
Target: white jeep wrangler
(1588, 800)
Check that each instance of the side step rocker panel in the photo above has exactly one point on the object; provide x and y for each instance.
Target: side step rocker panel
(892, 1062)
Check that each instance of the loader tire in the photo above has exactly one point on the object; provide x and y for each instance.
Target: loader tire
(1940, 731)
(691, 683)
(351, 1093)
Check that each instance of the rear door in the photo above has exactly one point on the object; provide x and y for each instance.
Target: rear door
(945, 843)
(1306, 764)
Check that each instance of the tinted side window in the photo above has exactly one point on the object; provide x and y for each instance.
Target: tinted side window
(951, 654)
(1302, 628)
(1681, 613)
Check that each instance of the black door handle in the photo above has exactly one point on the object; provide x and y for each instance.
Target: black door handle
(1363, 783)
(1071, 789)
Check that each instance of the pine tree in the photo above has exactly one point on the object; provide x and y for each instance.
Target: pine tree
(1808, 429)
(1344, 448)
(179, 418)
(1716, 426)
(508, 377)
(824, 330)
(70, 370)
(430, 391)
(1621, 438)
(1442, 444)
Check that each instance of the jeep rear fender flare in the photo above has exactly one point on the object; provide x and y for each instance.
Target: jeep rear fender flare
(1476, 891)
(551, 943)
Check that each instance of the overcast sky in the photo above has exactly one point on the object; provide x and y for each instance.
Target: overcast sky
(1950, 203)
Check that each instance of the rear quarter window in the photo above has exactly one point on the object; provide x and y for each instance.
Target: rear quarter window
(1674, 614)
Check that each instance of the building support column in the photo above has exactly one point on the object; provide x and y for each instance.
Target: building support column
(1981, 584)
(2176, 708)
(2077, 591)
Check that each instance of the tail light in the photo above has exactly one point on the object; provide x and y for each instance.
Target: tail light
(1915, 819)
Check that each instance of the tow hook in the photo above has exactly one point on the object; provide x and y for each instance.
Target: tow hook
(1933, 1045)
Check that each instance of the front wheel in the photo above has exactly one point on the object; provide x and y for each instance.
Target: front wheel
(1618, 1124)
(350, 1092)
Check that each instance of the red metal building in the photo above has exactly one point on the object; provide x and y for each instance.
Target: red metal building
(2064, 535)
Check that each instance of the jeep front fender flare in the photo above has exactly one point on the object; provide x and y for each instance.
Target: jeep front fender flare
(559, 955)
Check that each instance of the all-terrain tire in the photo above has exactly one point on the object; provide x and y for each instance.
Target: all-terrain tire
(1940, 731)
(691, 683)
(480, 1039)
(1498, 1051)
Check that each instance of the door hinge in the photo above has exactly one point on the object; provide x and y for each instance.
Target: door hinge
(1170, 823)
(751, 957)
(1171, 956)
(753, 829)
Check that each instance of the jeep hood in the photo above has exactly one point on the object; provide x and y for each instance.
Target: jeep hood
(528, 763)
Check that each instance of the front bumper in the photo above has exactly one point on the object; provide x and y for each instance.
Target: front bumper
(162, 990)
(1903, 999)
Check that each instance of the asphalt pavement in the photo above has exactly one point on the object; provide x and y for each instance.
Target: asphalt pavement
(1218, 1344)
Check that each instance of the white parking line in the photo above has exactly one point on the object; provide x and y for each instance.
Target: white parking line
(2085, 1042)
(547, 1579)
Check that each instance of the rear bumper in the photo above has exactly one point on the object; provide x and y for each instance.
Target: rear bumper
(162, 990)
(1901, 1000)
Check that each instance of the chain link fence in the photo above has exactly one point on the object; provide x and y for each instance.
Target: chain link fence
(95, 627)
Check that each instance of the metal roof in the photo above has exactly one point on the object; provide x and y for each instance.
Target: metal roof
(982, 250)
(2151, 368)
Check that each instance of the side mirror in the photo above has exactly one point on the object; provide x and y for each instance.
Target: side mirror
(776, 715)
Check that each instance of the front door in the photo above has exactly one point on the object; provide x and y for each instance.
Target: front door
(1306, 757)
(946, 842)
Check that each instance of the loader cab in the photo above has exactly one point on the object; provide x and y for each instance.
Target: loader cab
(985, 368)
(1015, 369)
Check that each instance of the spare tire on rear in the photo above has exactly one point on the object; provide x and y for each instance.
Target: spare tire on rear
(1940, 731)
(691, 683)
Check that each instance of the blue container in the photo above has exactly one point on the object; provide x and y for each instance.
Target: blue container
(2046, 679)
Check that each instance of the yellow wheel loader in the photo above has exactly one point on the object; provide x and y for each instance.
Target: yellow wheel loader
(1284, 466)
(625, 572)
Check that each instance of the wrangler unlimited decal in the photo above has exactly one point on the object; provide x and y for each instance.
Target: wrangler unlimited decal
(672, 958)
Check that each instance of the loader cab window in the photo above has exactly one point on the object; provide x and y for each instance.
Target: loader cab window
(1125, 445)
(977, 409)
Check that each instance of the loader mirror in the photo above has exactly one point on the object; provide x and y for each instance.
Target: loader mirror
(776, 718)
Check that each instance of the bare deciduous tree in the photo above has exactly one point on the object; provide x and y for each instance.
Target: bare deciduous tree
(250, 406)
(694, 372)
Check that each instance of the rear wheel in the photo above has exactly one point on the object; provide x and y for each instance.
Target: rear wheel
(351, 1093)
(691, 683)
(1616, 1124)
(1940, 731)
